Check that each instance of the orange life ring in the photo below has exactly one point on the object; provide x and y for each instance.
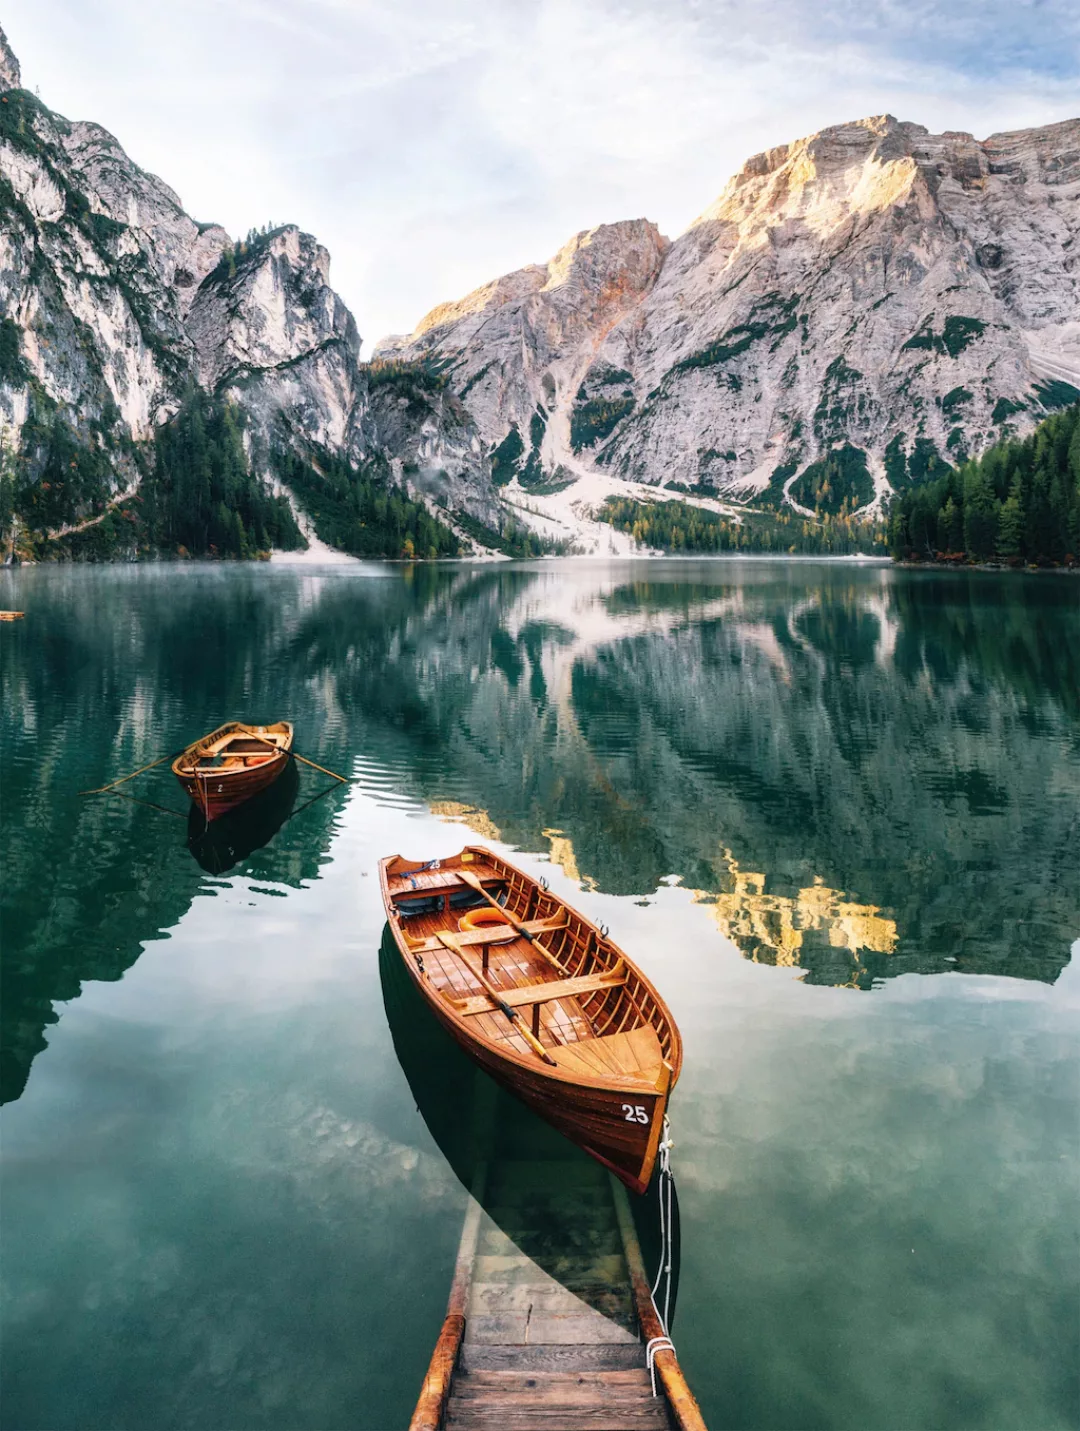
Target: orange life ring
(484, 917)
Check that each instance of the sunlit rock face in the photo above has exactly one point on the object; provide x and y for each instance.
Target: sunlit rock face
(518, 348)
(871, 284)
(123, 302)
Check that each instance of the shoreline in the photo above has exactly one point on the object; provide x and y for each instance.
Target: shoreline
(994, 566)
(332, 558)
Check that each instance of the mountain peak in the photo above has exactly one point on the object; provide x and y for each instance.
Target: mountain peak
(872, 285)
(10, 73)
(830, 164)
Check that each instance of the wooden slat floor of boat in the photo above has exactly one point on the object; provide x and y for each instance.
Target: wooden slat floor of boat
(513, 965)
(634, 1053)
(494, 934)
(551, 1341)
(560, 945)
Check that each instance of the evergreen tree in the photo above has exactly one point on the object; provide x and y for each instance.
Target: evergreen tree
(360, 510)
(980, 513)
(1019, 501)
(1010, 532)
(203, 495)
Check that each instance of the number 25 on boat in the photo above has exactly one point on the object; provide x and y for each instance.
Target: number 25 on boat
(540, 998)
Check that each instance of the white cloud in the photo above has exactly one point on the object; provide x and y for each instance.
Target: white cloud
(432, 147)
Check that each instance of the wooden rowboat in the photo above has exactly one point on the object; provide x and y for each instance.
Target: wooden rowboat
(541, 999)
(11, 615)
(232, 764)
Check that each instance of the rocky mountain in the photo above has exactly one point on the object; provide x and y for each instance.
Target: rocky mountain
(907, 296)
(855, 310)
(115, 303)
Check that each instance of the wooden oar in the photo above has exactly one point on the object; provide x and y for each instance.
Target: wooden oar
(471, 880)
(322, 768)
(449, 942)
(297, 756)
(112, 784)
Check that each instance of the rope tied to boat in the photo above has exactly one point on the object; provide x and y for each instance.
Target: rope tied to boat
(431, 865)
(651, 1348)
(663, 1272)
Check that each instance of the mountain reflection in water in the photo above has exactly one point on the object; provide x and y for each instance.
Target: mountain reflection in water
(865, 772)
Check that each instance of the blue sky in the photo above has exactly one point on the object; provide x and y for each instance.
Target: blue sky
(432, 145)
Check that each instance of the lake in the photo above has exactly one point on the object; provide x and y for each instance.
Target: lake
(832, 810)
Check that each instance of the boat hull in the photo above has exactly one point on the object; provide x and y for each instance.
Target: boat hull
(216, 795)
(214, 792)
(611, 1061)
(604, 1122)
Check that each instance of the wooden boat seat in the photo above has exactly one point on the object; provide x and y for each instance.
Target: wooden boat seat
(492, 934)
(451, 883)
(240, 743)
(636, 1054)
(543, 993)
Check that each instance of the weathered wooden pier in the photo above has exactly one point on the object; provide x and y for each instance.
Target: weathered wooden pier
(550, 1313)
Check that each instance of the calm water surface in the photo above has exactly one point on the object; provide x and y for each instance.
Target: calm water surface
(833, 811)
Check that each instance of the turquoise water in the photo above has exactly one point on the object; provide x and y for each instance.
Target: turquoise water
(833, 812)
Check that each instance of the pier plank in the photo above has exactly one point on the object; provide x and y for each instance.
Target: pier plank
(527, 1357)
(546, 1286)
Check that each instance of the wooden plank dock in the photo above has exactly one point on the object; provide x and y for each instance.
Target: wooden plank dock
(550, 1312)
(547, 1319)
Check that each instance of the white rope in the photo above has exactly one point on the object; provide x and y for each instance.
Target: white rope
(651, 1348)
(667, 1183)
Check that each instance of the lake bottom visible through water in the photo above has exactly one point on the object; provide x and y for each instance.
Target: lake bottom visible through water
(831, 810)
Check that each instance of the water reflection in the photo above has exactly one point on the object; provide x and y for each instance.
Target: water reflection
(112, 669)
(866, 772)
(220, 845)
(817, 928)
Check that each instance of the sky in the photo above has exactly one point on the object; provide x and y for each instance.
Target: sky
(433, 145)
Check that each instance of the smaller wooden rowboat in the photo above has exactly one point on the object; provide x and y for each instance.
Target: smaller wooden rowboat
(232, 764)
(541, 999)
(11, 615)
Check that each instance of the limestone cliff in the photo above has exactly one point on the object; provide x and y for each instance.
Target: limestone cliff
(876, 285)
(114, 302)
(516, 350)
(10, 73)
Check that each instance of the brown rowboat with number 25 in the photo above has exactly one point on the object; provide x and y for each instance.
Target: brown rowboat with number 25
(540, 998)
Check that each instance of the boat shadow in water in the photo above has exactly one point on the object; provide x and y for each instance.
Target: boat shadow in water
(543, 1195)
(220, 845)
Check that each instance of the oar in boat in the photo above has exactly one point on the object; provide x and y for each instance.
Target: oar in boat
(449, 942)
(297, 756)
(470, 879)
